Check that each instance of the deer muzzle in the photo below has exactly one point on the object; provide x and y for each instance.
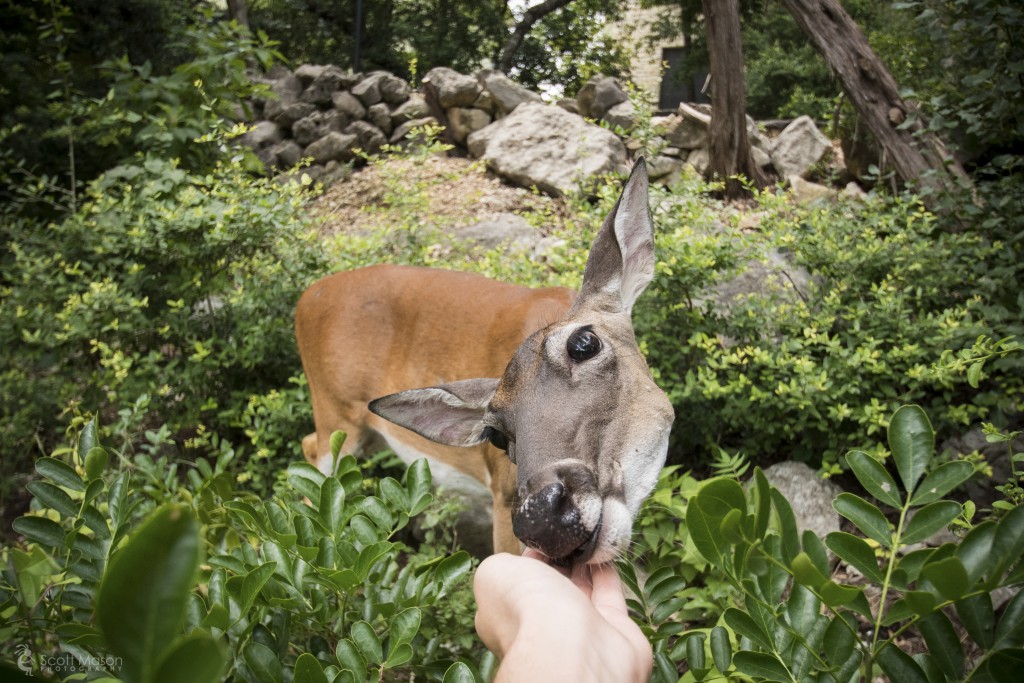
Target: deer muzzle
(559, 514)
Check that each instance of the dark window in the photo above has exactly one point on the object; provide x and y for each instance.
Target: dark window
(680, 83)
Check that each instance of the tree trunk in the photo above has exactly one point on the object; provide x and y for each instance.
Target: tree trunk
(729, 143)
(522, 29)
(917, 155)
(238, 10)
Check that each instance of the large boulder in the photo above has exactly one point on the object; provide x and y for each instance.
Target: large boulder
(332, 147)
(369, 138)
(505, 93)
(463, 121)
(317, 125)
(547, 147)
(599, 95)
(413, 108)
(452, 88)
(329, 81)
(799, 147)
(348, 104)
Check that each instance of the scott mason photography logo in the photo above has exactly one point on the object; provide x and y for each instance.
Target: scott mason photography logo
(64, 663)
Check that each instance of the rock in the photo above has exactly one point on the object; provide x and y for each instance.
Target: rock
(547, 147)
(324, 86)
(264, 134)
(307, 73)
(568, 104)
(809, 495)
(506, 93)
(462, 121)
(334, 146)
(393, 89)
(853, 191)
(484, 102)
(369, 138)
(767, 274)
(287, 154)
(288, 90)
(402, 131)
(806, 192)
(682, 132)
(662, 165)
(508, 229)
(368, 89)
(622, 115)
(700, 159)
(348, 104)
(599, 95)
(453, 89)
(799, 146)
(380, 116)
(413, 108)
(287, 117)
(317, 125)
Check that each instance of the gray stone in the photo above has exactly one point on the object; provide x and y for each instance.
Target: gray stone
(453, 89)
(324, 86)
(547, 147)
(402, 131)
(809, 495)
(368, 89)
(380, 116)
(599, 95)
(463, 121)
(332, 147)
(263, 134)
(799, 146)
(348, 104)
(662, 165)
(393, 89)
(806, 192)
(569, 104)
(413, 108)
(287, 154)
(288, 115)
(307, 73)
(369, 138)
(682, 132)
(504, 229)
(622, 115)
(506, 93)
(317, 125)
(700, 159)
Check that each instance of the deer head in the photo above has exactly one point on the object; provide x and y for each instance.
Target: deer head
(576, 409)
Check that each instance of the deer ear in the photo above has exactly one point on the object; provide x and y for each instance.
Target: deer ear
(621, 260)
(451, 414)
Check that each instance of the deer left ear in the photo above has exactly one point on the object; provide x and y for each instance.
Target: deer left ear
(621, 261)
(451, 414)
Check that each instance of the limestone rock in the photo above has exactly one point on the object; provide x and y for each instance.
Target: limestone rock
(453, 89)
(348, 104)
(413, 108)
(323, 86)
(506, 93)
(799, 146)
(547, 147)
(369, 138)
(599, 95)
(334, 146)
(809, 495)
(463, 121)
(317, 125)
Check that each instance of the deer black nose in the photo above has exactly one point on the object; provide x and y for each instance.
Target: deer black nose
(549, 521)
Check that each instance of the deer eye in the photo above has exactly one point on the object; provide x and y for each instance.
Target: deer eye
(497, 439)
(583, 345)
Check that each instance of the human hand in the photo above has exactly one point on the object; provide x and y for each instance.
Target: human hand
(545, 625)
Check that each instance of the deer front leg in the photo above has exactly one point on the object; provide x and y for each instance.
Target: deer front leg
(504, 540)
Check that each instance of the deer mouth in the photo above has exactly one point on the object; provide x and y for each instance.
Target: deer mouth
(582, 553)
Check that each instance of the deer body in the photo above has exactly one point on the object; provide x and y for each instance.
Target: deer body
(382, 329)
(558, 384)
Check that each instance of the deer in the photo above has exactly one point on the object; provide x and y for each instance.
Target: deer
(541, 395)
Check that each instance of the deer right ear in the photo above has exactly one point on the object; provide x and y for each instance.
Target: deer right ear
(450, 414)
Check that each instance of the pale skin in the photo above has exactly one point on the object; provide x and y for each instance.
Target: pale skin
(545, 625)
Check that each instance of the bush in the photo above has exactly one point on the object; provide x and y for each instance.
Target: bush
(130, 570)
(167, 284)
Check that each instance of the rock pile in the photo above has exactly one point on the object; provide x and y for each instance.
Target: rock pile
(327, 114)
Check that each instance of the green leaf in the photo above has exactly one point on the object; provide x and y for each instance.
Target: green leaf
(898, 665)
(1003, 666)
(761, 665)
(253, 583)
(332, 505)
(930, 519)
(262, 662)
(337, 441)
(399, 655)
(458, 673)
(367, 642)
(874, 478)
(744, 625)
(89, 437)
(921, 602)
(941, 481)
(350, 659)
(787, 526)
(839, 595)
(53, 497)
(912, 442)
(95, 463)
(974, 374)
(721, 648)
(417, 480)
(865, 516)
(840, 639)
(762, 505)
(943, 643)
(855, 552)
(695, 651)
(806, 573)
(196, 658)
(1010, 630)
(948, 576)
(60, 473)
(1008, 543)
(404, 626)
(142, 598)
(308, 670)
(978, 618)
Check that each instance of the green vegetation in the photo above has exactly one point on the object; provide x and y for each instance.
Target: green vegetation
(151, 400)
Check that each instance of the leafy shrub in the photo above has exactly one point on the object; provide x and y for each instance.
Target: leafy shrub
(175, 285)
(789, 621)
(315, 589)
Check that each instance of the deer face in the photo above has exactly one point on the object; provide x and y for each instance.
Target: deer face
(576, 409)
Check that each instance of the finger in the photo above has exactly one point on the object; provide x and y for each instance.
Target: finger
(581, 578)
(607, 594)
